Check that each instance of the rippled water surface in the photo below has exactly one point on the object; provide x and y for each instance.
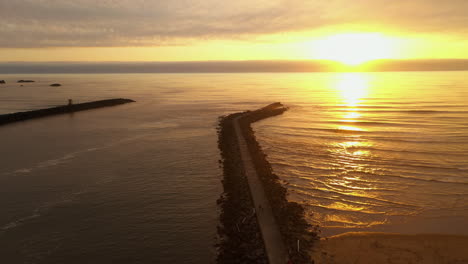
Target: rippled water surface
(138, 183)
(377, 152)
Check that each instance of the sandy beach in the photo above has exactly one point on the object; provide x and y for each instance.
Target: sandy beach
(367, 248)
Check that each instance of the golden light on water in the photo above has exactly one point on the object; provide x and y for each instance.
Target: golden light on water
(350, 128)
(353, 87)
(355, 48)
(351, 115)
(351, 150)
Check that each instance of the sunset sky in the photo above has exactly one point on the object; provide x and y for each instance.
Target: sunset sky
(349, 31)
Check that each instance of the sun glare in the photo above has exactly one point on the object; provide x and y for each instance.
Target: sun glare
(353, 87)
(354, 48)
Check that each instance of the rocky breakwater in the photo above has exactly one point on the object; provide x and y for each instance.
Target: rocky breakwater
(240, 238)
(70, 108)
(237, 243)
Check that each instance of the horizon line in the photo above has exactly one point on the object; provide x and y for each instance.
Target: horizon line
(242, 60)
(237, 66)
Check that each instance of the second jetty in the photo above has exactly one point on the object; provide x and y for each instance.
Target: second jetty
(64, 109)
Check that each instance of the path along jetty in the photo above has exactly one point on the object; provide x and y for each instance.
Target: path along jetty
(257, 222)
(70, 108)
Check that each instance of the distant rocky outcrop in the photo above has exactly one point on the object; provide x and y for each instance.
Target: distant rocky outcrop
(26, 81)
(55, 85)
(2, 81)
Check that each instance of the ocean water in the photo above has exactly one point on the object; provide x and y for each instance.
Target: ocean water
(384, 152)
(138, 183)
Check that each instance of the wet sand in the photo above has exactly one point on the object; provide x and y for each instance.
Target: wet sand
(371, 248)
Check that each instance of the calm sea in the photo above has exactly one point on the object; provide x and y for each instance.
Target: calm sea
(138, 183)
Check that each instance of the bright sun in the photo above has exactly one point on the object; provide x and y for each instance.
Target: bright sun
(354, 48)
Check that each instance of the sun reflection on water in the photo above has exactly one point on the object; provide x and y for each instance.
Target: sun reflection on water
(353, 147)
(353, 87)
(351, 115)
(350, 128)
(351, 150)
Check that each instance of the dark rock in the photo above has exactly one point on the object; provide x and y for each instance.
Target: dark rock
(55, 85)
(26, 81)
(2, 81)
(238, 229)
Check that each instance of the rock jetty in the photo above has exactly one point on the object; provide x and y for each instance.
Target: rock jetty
(69, 108)
(239, 239)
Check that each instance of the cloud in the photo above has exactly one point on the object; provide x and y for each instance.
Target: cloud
(82, 23)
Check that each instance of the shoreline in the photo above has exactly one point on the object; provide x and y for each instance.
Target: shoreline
(58, 110)
(375, 247)
(297, 234)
